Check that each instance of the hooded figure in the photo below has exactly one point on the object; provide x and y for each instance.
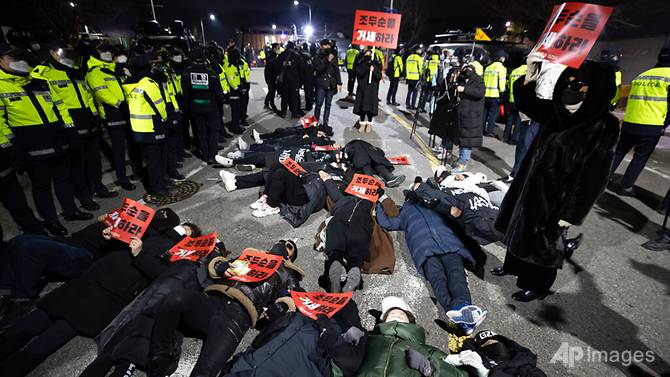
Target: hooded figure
(563, 174)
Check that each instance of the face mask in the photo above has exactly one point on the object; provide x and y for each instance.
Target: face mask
(66, 62)
(20, 66)
(177, 58)
(106, 56)
(121, 59)
(397, 315)
(573, 108)
(570, 96)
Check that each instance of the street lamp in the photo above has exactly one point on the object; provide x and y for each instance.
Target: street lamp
(308, 30)
(212, 16)
(274, 27)
(309, 8)
(72, 4)
(508, 23)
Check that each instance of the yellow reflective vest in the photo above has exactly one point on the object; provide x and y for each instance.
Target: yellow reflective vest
(398, 65)
(413, 67)
(432, 66)
(350, 58)
(516, 73)
(147, 109)
(648, 98)
(617, 82)
(479, 69)
(107, 91)
(495, 79)
(32, 116)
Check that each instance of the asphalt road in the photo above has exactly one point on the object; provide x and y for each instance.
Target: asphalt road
(614, 298)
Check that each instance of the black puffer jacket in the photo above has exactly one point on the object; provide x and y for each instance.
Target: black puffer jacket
(470, 111)
(522, 363)
(363, 155)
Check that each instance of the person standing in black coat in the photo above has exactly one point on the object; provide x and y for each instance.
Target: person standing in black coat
(86, 305)
(563, 173)
(307, 76)
(368, 73)
(271, 72)
(469, 118)
(289, 65)
(328, 81)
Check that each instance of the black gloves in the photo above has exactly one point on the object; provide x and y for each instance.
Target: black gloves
(221, 268)
(276, 310)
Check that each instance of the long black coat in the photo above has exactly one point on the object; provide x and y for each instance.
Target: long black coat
(470, 112)
(363, 155)
(367, 93)
(91, 301)
(565, 170)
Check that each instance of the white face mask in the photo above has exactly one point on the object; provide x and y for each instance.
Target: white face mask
(573, 108)
(66, 62)
(106, 56)
(20, 66)
(397, 315)
(177, 59)
(121, 59)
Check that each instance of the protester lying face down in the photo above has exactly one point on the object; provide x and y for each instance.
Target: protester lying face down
(220, 315)
(85, 305)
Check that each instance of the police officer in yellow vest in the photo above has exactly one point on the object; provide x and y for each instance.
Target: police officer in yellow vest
(495, 81)
(169, 90)
(349, 59)
(105, 81)
(147, 108)
(431, 69)
(34, 119)
(646, 118)
(84, 137)
(235, 80)
(612, 57)
(413, 68)
(394, 72)
(176, 69)
(513, 117)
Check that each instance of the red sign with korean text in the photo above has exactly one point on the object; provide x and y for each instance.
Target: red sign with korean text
(133, 221)
(571, 32)
(313, 303)
(364, 187)
(293, 166)
(261, 265)
(308, 122)
(376, 29)
(399, 160)
(193, 248)
(322, 148)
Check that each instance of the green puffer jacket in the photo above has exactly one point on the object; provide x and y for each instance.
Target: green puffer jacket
(386, 352)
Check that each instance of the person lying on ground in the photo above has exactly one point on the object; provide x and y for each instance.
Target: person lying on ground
(123, 346)
(476, 183)
(397, 347)
(270, 145)
(291, 344)
(369, 160)
(84, 306)
(292, 131)
(439, 256)
(220, 315)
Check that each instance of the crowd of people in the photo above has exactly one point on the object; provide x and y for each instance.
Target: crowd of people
(157, 101)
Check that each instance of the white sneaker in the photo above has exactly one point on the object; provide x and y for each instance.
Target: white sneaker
(257, 137)
(228, 180)
(241, 144)
(234, 155)
(258, 204)
(438, 149)
(225, 162)
(265, 210)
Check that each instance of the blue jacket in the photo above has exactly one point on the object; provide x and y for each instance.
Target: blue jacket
(426, 234)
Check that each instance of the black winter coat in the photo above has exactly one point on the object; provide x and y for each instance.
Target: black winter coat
(91, 301)
(470, 112)
(202, 89)
(289, 66)
(565, 170)
(327, 73)
(523, 362)
(362, 155)
(367, 93)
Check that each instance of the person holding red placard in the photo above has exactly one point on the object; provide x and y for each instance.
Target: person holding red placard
(368, 73)
(222, 314)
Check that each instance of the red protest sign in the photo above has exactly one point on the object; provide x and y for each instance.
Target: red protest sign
(571, 32)
(308, 122)
(313, 303)
(261, 265)
(364, 187)
(293, 166)
(376, 29)
(133, 220)
(322, 148)
(193, 248)
(399, 160)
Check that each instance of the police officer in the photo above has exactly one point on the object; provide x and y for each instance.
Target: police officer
(245, 86)
(271, 72)
(645, 121)
(173, 127)
(394, 72)
(35, 119)
(513, 117)
(350, 58)
(203, 98)
(290, 64)
(431, 70)
(106, 84)
(413, 67)
(612, 58)
(217, 60)
(235, 84)
(307, 76)
(84, 137)
(148, 117)
(175, 73)
(495, 81)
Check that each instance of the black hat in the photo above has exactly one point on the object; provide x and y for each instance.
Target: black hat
(484, 336)
(164, 220)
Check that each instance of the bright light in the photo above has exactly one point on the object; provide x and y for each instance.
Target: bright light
(72, 4)
(508, 23)
(308, 30)
(296, 2)
(274, 27)
(282, 36)
(212, 17)
(59, 51)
